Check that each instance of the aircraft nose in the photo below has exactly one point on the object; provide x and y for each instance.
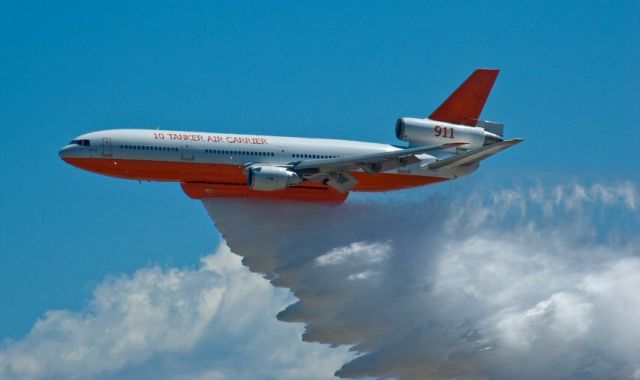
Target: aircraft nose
(65, 153)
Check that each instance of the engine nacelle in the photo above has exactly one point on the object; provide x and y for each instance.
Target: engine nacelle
(424, 132)
(271, 178)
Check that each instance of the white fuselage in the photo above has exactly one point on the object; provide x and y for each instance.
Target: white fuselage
(219, 159)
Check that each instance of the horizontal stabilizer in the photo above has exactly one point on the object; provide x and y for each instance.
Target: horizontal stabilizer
(489, 126)
(465, 104)
(473, 156)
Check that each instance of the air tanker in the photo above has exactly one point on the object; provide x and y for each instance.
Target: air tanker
(448, 144)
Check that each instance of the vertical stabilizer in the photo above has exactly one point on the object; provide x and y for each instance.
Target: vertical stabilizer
(465, 104)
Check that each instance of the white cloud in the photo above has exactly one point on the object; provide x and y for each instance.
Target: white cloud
(355, 252)
(216, 322)
(563, 315)
(522, 282)
(525, 282)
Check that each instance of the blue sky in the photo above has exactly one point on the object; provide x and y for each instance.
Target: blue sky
(569, 86)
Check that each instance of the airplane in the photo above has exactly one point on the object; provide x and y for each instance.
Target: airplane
(450, 143)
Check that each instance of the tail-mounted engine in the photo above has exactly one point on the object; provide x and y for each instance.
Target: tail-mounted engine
(271, 178)
(421, 132)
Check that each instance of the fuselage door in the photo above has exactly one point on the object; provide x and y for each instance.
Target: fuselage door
(106, 146)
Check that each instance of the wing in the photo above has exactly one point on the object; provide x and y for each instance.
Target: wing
(371, 163)
(335, 168)
(473, 156)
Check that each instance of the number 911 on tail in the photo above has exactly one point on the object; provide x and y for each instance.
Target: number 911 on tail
(448, 144)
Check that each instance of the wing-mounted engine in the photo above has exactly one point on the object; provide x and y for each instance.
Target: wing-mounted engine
(271, 178)
(421, 132)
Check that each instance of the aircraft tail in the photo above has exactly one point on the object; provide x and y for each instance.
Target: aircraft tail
(465, 104)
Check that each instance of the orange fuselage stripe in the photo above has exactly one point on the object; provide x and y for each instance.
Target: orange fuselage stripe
(170, 171)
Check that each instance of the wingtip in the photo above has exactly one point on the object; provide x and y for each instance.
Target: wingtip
(514, 141)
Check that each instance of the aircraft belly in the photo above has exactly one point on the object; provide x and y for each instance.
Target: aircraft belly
(169, 171)
(172, 171)
(389, 182)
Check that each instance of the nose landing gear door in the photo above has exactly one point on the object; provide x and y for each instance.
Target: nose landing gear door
(106, 146)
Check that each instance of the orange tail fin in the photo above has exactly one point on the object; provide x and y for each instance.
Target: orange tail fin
(465, 104)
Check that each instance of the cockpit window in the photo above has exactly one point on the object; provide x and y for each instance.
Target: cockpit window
(81, 142)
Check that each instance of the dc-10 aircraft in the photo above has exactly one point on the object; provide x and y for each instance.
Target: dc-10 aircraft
(448, 144)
